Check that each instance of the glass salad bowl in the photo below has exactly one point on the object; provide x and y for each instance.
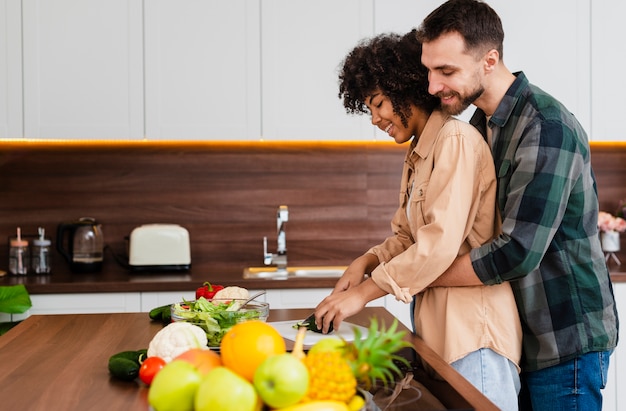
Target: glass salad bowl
(217, 316)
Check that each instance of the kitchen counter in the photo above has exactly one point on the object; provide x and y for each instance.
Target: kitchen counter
(114, 278)
(64, 359)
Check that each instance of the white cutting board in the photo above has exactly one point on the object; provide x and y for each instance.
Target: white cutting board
(286, 330)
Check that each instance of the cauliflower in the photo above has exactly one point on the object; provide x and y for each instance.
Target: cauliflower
(232, 292)
(176, 338)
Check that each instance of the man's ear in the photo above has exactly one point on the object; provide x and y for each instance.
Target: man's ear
(491, 60)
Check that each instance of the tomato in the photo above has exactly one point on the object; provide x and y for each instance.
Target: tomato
(149, 368)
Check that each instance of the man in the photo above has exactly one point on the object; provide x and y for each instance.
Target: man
(549, 248)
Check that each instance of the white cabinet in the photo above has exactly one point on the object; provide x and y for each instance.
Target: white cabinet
(83, 69)
(304, 298)
(302, 46)
(87, 303)
(10, 69)
(202, 70)
(606, 62)
(150, 300)
(249, 69)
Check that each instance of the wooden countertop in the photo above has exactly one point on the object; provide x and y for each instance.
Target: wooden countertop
(60, 362)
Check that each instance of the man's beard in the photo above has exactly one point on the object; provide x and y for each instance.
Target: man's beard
(463, 102)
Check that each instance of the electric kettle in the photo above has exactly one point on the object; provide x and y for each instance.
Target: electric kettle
(82, 244)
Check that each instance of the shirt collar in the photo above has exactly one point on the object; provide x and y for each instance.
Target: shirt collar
(505, 108)
(428, 137)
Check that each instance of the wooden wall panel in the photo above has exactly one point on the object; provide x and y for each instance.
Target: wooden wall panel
(341, 196)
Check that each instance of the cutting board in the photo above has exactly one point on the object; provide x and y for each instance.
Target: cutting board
(286, 330)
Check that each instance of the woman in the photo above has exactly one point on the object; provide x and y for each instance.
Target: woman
(447, 207)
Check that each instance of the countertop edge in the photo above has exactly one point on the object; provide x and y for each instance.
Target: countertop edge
(164, 283)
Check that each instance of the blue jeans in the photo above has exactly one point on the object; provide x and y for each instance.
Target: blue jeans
(493, 375)
(573, 385)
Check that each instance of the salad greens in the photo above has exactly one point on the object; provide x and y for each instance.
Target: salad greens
(215, 317)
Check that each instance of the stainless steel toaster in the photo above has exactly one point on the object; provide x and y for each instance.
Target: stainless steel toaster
(159, 247)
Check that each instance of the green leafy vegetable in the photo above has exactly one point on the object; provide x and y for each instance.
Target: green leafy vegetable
(216, 318)
(14, 299)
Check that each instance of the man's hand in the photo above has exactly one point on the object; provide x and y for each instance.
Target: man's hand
(459, 274)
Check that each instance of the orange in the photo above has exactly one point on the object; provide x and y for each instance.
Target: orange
(246, 345)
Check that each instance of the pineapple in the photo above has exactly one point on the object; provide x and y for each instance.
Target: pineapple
(372, 358)
(330, 377)
(335, 373)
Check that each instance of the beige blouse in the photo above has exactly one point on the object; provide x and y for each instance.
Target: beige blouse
(447, 207)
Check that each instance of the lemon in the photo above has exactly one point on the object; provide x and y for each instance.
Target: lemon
(356, 403)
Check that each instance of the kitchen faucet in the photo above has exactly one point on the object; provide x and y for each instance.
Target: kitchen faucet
(280, 258)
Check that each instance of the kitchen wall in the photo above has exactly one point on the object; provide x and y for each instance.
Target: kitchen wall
(261, 70)
(341, 195)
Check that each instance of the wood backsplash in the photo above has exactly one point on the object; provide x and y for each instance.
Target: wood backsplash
(341, 196)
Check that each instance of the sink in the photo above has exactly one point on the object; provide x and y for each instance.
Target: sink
(272, 273)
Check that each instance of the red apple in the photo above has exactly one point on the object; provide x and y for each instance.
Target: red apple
(203, 359)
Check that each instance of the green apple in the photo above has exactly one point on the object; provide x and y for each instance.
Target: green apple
(223, 390)
(281, 380)
(174, 387)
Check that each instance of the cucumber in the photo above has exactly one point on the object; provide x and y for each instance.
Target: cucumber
(123, 368)
(125, 364)
(166, 315)
(162, 313)
(129, 355)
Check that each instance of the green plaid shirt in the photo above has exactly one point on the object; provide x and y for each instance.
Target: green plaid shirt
(549, 250)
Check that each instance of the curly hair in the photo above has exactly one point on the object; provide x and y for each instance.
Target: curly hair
(392, 64)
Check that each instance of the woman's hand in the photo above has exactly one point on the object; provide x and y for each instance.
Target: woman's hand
(342, 304)
(355, 273)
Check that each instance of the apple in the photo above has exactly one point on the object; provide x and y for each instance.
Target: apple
(174, 387)
(328, 344)
(281, 380)
(203, 359)
(223, 390)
